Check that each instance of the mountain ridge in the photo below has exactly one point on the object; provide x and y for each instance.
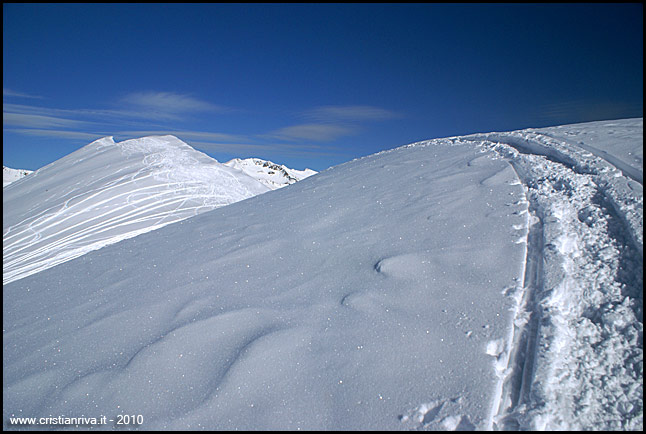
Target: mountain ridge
(108, 191)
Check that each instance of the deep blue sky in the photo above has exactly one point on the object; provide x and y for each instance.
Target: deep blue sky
(313, 84)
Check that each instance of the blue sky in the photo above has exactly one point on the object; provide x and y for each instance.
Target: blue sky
(309, 85)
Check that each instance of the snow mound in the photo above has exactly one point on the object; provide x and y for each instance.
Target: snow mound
(106, 192)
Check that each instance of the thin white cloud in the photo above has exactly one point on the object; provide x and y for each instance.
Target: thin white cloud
(99, 115)
(11, 93)
(56, 133)
(331, 122)
(314, 132)
(38, 121)
(169, 102)
(151, 106)
(350, 113)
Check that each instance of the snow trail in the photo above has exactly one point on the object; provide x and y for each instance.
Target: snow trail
(577, 356)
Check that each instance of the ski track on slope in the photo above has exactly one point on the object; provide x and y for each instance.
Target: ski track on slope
(143, 212)
(576, 360)
(624, 167)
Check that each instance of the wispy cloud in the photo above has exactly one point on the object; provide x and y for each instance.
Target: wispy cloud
(38, 121)
(169, 103)
(11, 93)
(314, 132)
(56, 133)
(143, 106)
(90, 115)
(331, 122)
(349, 113)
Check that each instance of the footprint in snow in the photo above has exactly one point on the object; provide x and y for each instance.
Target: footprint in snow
(438, 415)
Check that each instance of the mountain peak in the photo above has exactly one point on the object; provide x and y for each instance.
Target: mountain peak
(10, 175)
(269, 173)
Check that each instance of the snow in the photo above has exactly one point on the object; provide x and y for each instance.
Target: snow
(271, 174)
(10, 175)
(106, 192)
(491, 281)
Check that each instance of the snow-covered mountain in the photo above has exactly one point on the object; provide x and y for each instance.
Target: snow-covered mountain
(491, 281)
(271, 174)
(10, 175)
(106, 192)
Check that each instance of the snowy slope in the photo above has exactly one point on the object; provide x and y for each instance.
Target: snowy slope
(479, 282)
(10, 175)
(271, 174)
(106, 192)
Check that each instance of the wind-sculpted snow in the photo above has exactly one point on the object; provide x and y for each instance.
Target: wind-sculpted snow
(106, 192)
(484, 282)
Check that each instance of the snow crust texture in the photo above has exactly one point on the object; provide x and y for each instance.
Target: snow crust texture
(491, 281)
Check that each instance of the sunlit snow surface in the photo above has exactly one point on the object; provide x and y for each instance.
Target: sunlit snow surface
(478, 282)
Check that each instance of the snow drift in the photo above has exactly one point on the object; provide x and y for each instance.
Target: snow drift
(478, 282)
